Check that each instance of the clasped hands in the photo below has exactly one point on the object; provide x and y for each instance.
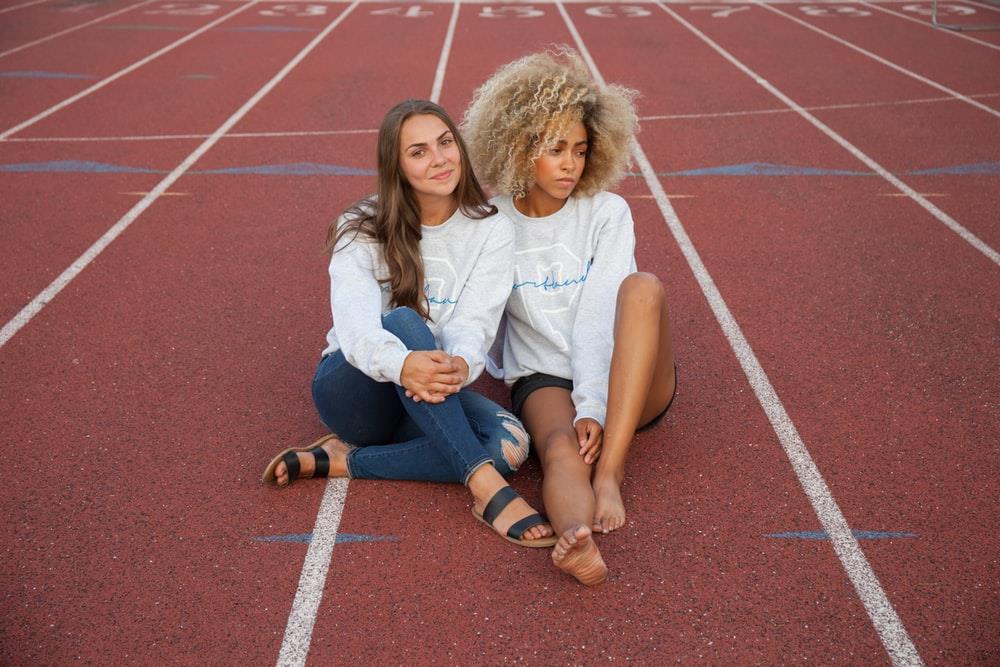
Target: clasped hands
(432, 375)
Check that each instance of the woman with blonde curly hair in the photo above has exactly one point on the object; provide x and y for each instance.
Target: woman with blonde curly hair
(588, 349)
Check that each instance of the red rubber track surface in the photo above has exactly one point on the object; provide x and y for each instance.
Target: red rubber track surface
(95, 52)
(21, 26)
(146, 398)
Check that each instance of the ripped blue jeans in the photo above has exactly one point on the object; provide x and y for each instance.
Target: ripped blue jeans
(397, 438)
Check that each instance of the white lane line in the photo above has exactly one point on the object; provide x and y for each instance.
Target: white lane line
(942, 217)
(992, 8)
(175, 137)
(305, 608)
(824, 107)
(22, 6)
(120, 73)
(887, 623)
(902, 70)
(45, 296)
(74, 28)
(930, 25)
(445, 51)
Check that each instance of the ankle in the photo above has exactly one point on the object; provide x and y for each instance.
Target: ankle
(484, 482)
(609, 476)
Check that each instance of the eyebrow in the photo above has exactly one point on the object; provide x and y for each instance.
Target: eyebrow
(424, 143)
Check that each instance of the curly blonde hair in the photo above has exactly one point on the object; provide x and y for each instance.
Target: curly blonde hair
(529, 104)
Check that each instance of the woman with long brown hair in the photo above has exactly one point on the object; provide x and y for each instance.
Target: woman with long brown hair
(420, 272)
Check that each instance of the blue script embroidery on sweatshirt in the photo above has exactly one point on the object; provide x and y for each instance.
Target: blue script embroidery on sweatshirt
(427, 292)
(551, 282)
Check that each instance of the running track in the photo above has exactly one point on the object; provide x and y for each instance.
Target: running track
(816, 185)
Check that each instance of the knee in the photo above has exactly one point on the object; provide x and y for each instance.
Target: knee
(407, 325)
(643, 290)
(508, 444)
(560, 447)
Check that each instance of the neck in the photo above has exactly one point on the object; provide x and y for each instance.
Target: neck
(435, 211)
(538, 204)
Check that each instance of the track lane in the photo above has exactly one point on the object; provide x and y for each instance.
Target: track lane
(273, 246)
(815, 270)
(40, 21)
(419, 585)
(955, 135)
(106, 50)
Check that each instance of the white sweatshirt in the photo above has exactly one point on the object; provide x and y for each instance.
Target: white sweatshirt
(467, 271)
(560, 316)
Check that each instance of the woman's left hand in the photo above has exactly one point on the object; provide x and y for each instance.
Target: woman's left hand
(461, 372)
(590, 436)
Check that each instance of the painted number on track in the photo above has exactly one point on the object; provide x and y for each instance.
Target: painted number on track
(184, 9)
(812, 10)
(294, 10)
(927, 10)
(518, 12)
(719, 11)
(411, 12)
(627, 11)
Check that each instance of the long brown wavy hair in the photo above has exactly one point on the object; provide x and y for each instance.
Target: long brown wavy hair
(391, 216)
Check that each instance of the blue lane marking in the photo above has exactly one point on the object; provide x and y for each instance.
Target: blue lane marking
(35, 74)
(342, 538)
(984, 168)
(76, 167)
(270, 28)
(316, 169)
(858, 535)
(145, 26)
(296, 169)
(764, 169)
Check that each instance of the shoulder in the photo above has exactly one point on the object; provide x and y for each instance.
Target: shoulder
(609, 203)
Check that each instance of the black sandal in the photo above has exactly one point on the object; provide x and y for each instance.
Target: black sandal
(497, 504)
(291, 460)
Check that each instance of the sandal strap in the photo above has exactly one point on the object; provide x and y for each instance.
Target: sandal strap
(291, 460)
(519, 528)
(322, 462)
(498, 502)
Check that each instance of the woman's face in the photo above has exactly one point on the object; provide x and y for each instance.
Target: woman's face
(559, 169)
(429, 157)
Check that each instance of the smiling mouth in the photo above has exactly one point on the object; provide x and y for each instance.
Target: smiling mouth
(443, 176)
(567, 181)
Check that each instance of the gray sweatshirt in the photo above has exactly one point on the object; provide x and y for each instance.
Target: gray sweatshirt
(560, 316)
(468, 272)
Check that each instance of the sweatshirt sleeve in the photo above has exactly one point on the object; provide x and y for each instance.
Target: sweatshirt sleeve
(356, 301)
(474, 322)
(593, 326)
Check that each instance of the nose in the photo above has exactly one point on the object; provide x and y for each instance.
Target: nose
(437, 156)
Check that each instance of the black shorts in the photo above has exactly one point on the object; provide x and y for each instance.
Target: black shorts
(524, 387)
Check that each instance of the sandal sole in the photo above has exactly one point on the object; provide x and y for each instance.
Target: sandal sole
(540, 543)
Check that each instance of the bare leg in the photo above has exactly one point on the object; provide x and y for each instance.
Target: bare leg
(640, 386)
(569, 498)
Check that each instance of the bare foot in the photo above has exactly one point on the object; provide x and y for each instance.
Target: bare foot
(335, 448)
(609, 512)
(575, 553)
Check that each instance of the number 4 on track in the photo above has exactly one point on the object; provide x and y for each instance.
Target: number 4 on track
(411, 12)
(720, 11)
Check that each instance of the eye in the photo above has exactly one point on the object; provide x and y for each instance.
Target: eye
(447, 141)
(417, 153)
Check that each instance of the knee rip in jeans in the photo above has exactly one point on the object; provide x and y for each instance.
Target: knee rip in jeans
(515, 449)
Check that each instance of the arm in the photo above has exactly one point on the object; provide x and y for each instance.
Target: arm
(474, 322)
(356, 302)
(593, 326)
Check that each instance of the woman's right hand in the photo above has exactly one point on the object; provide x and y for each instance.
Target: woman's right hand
(430, 375)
